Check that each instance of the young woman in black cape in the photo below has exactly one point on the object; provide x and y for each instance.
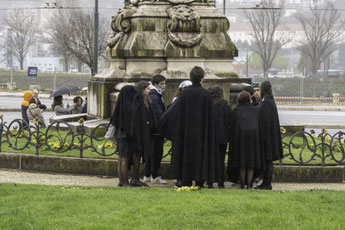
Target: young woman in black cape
(132, 121)
(273, 149)
(221, 111)
(246, 154)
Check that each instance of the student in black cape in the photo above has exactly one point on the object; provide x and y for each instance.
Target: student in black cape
(246, 145)
(221, 111)
(131, 119)
(273, 149)
(188, 123)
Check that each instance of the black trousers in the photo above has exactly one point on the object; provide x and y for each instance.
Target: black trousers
(222, 153)
(153, 163)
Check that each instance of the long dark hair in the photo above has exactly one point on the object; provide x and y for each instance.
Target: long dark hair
(57, 101)
(266, 90)
(143, 85)
(216, 93)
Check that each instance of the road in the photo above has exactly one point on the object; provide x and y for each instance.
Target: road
(317, 119)
(15, 102)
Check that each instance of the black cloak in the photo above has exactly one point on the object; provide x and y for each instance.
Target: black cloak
(222, 112)
(245, 140)
(273, 149)
(188, 123)
(132, 118)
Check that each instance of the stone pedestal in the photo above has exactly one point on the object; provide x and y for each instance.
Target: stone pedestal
(167, 37)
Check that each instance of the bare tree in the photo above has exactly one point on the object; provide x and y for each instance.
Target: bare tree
(265, 19)
(74, 31)
(322, 29)
(21, 34)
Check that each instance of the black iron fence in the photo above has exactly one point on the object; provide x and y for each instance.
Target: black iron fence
(300, 148)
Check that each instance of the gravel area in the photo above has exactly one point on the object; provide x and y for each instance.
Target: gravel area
(28, 177)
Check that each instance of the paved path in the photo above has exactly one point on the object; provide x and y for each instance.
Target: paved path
(25, 177)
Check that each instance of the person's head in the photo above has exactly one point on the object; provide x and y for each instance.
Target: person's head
(256, 87)
(249, 89)
(78, 100)
(185, 84)
(266, 90)
(35, 93)
(57, 101)
(182, 86)
(243, 97)
(196, 74)
(85, 99)
(144, 87)
(158, 81)
(32, 101)
(216, 93)
(43, 107)
(27, 96)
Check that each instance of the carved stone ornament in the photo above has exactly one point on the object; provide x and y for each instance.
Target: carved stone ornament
(184, 26)
(135, 2)
(175, 2)
(121, 24)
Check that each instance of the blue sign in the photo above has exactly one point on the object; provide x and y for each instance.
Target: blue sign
(32, 71)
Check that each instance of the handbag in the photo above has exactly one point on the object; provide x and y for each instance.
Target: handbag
(110, 134)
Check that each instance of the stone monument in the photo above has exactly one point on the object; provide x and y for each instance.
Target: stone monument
(167, 37)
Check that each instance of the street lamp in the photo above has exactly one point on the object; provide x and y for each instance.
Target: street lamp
(95, 41)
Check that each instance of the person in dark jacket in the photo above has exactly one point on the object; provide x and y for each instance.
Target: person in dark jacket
(132, 122)
(221, 111)
(189, 125)
(253, 99)
(246, 147)
(272, 147)
(157, 104)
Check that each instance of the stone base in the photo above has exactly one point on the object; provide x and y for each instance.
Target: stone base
(107, 167)
(102, 96)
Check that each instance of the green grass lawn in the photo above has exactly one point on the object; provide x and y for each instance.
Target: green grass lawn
(72, 207)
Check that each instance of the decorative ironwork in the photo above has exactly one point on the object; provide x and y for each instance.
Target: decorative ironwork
(301, 148)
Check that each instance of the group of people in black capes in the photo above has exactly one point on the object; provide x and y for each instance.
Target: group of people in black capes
(200, 125)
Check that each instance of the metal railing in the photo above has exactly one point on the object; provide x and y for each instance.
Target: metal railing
(301, 148)
(58, 137)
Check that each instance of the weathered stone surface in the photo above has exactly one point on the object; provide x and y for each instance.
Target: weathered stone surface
(10, 161)
(107, 167)
(309, 174)
(168, 38)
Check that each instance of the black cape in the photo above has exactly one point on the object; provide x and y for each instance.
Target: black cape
(132, 118)
(188, 123)
(246, 145)
(273, 149)
(222, 112)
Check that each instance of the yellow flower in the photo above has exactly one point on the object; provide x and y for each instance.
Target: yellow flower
(323, 130)
(36, 120)
(81, 121)
(282, 130)
(1, 116)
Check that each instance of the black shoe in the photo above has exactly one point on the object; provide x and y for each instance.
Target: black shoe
(177, 185)
(119, 185)
(264, 187)
(138, 183)
(199, 184)
(220, 184)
